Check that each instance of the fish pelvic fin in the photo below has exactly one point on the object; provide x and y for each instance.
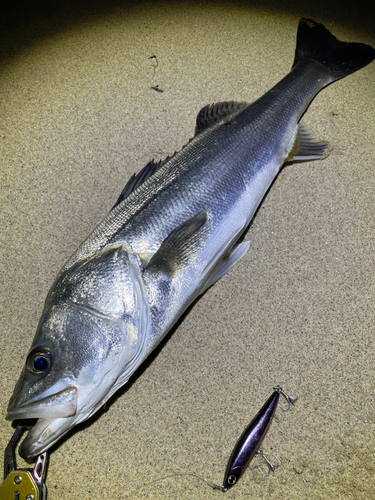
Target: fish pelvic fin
(316, 43)
(226, 263)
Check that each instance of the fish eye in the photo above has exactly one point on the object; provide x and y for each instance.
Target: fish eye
(39, 361)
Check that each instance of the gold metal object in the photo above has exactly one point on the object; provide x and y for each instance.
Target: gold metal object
(22, 484)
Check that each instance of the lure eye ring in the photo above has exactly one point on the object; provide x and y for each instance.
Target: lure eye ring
(39, 361)
(232, 480)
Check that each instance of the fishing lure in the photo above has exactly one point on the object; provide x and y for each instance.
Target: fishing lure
(251, 439)
(249, 443)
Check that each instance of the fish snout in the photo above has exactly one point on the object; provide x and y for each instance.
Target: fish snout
(58, 401)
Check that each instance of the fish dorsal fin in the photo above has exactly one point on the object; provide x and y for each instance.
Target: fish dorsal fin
(179, 247)
(137, 179)
(212, 113)
(306, 146)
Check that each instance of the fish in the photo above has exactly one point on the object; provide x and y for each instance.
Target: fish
(251, 439)
(172, 234)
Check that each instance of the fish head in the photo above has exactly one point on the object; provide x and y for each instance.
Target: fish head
(87, 338)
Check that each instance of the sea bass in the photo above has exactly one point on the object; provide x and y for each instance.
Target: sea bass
(171, 235)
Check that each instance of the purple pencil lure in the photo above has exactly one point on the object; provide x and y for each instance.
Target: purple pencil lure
(249, 443)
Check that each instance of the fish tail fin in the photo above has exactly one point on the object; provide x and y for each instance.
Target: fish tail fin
(316, 43)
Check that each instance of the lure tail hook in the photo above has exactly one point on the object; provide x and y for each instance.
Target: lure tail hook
(291, 401)
(271, 467)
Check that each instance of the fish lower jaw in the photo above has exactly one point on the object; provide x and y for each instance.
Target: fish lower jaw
(45, 433)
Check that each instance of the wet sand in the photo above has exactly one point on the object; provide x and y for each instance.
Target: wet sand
(78, 118)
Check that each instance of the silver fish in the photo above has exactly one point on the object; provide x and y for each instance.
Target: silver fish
(171, 235)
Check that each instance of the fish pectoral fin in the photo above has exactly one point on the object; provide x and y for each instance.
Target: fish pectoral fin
(179, 247)
(225, 264)
(306, 146)
(213, 113)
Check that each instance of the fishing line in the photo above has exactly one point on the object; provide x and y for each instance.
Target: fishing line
(211, 484)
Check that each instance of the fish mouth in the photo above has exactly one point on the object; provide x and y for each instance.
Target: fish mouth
(59, 400)
(55, 410)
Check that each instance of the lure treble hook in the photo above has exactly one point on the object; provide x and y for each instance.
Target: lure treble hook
(291, 401)
(271, 467)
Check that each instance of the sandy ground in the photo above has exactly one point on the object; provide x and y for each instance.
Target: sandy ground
(78, 117)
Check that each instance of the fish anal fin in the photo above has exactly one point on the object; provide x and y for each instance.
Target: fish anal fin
(213, 113)
(306, 146)
(179, 247)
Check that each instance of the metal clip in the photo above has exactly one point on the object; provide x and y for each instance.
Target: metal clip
(23, 484)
